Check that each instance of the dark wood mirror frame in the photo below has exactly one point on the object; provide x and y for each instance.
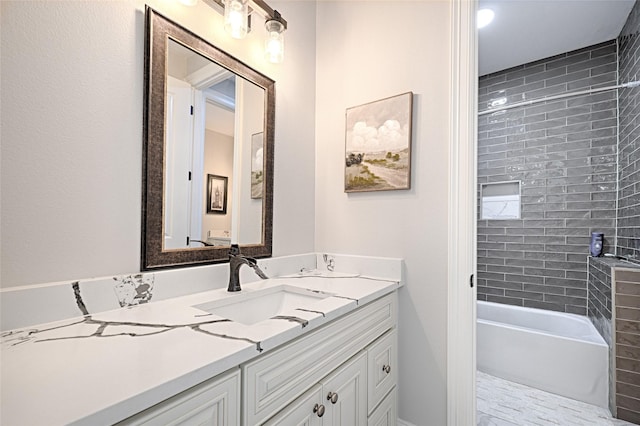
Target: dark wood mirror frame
(158, 29)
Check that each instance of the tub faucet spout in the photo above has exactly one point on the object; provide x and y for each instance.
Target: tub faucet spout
(236, 260)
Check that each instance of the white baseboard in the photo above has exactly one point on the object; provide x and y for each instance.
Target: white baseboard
(403, 423)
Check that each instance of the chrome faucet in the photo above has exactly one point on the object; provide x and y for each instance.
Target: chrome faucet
(236, 260)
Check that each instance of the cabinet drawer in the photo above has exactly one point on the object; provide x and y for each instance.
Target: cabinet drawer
(215, 402)
(382, 364)
(386, 413)
(277, 378)
(301, 411)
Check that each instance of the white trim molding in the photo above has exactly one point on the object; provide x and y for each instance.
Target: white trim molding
(461, 339)
(403, 423)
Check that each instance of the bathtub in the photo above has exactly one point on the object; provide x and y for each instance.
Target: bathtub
(555, 352)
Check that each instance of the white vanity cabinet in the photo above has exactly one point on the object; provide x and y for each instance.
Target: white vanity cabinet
(290, 385)
(215, 402)
(341, 374)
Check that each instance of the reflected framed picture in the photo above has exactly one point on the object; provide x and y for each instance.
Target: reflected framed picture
(257, 165)
(217, 194)
(378, 145)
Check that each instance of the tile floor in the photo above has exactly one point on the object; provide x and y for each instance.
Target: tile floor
(504, 403)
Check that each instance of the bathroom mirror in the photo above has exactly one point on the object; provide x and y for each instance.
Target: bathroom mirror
(208, 151)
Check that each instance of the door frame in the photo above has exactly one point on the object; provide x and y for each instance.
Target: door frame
(461, 320)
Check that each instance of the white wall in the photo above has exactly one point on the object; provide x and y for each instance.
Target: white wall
(71, 132)
(218, 160)
(369, 50)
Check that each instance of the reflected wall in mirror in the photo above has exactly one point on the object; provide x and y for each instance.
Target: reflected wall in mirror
(203, 109)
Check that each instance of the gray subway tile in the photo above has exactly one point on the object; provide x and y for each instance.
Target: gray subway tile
(544, 305)
(505, 300)
(524, 295)
(541, 288)
(563, 61)
(565, 300)
(544, 272)
(564, 153)
(565, 266)
(566, 231)
(545, 256)
(529, 263)
(490, 290)
(505, 269)
(578, 310)
(576, 292)
(524, 279)
(511, 285)
(565, 282)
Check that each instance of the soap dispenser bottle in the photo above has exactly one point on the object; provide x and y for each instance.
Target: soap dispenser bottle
(596, 243)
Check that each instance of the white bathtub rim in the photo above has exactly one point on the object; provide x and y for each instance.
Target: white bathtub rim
(598, 340)
(532, 310)
(594, 336)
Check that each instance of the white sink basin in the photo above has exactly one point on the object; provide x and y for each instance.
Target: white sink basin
(252, 306)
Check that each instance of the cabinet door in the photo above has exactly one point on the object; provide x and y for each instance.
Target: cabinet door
(383, 368)
(345, 394)
(307, 410)
(215, 402)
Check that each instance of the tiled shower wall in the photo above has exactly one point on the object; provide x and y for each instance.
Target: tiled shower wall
(627, 344)
(564, 154)
(600, 295)
(600, 310)
(629, 146)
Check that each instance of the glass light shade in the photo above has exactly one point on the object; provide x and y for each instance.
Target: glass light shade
(274, 44)
(189, 2)
(236, 21)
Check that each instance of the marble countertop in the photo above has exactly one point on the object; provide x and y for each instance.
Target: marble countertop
(105, 367)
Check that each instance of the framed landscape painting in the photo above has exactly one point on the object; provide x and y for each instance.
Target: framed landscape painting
(378, 145)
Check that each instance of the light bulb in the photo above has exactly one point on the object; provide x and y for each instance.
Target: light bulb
(235, 18)
(274, 43)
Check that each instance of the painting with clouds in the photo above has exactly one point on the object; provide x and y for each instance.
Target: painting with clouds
(378, 145)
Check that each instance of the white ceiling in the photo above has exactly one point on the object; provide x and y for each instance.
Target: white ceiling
(527, 30)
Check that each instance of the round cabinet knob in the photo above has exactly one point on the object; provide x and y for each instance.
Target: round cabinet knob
(333, 397)
(319, 410)
(386, 368)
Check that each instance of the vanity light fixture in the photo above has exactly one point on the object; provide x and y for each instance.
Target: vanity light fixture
(237, 22)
